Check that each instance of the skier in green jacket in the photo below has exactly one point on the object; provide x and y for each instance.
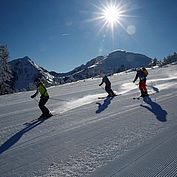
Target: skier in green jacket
(43, 98)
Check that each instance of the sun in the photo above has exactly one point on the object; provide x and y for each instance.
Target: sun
(111, 14)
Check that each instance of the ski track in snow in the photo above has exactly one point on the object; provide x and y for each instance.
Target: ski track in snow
(108, 137)
(125, 88)
(90, 159)
(75, 103)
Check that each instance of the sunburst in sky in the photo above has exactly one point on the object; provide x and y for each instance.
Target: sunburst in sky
(86, 29)
(111, 14)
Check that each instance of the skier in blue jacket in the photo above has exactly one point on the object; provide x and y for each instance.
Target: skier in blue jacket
(142, 74)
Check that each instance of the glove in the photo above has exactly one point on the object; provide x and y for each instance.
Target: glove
(32, 96)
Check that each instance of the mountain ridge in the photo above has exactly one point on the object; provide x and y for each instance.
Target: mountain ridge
(25, 70)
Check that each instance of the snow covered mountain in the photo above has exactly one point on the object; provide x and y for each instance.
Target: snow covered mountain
(25, 70)
(114, 62)
(89, 137)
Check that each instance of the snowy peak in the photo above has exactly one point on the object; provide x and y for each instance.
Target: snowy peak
(116, 61)
(23, 64)
(25, 71)
(95, 61)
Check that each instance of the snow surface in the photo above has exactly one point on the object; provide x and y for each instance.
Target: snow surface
(92, 137)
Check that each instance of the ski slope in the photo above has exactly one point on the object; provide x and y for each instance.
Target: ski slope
(90, 137)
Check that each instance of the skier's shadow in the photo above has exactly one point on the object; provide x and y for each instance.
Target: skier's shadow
(156, 109)
(15, 138)
(102, 107)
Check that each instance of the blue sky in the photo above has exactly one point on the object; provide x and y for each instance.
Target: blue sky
(60, 35)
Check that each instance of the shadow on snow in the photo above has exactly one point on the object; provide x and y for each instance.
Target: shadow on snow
(15, 138)
(156, 109)
(102, 107)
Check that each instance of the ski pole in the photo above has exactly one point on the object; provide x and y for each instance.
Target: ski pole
(58, 99)
(36, 100)
(102, 87)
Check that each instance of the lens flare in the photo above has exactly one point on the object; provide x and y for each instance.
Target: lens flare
(111, 14)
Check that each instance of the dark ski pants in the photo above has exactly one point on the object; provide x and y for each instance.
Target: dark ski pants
(42, 102)
(109, 90)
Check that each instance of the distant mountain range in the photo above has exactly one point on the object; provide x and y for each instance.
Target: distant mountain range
(25, 70)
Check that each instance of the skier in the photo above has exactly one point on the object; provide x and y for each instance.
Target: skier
(107, 86)
(43, 99)
(142, 74)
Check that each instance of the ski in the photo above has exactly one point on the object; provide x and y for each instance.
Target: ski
(45, 117)
(104, 97)
(39, 119)
(136, 98)
(32, 122)
(139, 97)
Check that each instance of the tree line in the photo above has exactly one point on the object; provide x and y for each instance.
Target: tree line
(5, 71)
(167, 60)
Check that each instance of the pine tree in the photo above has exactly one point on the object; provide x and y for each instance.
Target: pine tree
(154, 62)
(170, 59)
(5, 71)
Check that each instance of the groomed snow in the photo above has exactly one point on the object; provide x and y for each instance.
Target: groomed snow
(92, 137)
